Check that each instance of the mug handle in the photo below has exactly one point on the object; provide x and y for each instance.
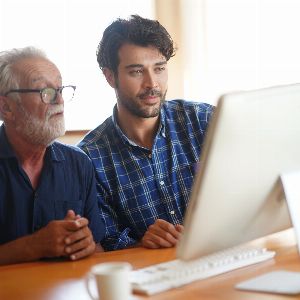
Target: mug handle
(87, 281)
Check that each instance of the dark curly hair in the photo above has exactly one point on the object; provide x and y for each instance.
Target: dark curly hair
(137, 31)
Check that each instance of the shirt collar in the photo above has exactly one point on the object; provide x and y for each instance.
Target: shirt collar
(7, 151)
(161, 129)
(55, 152)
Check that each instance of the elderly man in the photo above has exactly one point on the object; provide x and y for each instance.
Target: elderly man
(145, 154)
(48, 200)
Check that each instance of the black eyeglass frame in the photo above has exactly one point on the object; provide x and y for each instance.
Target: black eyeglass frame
(40, 91)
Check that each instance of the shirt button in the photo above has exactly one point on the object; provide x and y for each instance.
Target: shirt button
(172, 212)
(150, 155)
(161, 182)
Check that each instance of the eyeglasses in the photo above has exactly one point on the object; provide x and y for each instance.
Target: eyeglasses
(49, 94)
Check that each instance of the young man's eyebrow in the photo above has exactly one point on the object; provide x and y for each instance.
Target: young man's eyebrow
(141, 66)
(161, 63)
(134, 66)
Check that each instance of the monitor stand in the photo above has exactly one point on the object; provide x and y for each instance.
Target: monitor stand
(290, 184)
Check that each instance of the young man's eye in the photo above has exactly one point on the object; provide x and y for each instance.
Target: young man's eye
(160, 69)
(135, 72)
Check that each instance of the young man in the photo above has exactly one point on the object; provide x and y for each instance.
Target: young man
(146, 153)
(48, 202)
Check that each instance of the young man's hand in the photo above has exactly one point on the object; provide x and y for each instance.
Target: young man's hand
(162, 234)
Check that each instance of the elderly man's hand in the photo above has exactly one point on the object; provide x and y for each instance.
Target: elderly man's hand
(70, 237)
(80, 243)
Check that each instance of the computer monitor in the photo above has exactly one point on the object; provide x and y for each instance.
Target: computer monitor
(253, 137)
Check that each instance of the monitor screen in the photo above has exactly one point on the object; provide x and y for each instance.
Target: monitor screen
(253, 137)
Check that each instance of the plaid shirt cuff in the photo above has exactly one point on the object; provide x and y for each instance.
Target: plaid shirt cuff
(118, 242)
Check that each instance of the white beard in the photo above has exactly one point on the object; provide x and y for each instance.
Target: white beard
(41, 132)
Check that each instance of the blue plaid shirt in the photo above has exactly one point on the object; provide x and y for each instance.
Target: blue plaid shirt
(135, 185)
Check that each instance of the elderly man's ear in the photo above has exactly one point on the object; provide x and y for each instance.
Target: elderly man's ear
(5, 109)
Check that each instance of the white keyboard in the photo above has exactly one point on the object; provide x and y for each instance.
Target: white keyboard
(165, 276)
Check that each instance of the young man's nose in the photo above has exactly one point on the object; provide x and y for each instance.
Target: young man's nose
(150, 80)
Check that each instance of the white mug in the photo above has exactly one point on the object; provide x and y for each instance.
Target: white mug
(112, 280)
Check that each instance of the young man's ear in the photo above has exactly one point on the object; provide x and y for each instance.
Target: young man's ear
(110, 77)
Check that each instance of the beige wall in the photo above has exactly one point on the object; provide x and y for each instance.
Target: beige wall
(185, 21)
(72, 137)
(169, 15)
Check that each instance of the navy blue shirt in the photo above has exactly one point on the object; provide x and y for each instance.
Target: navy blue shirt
(135, 185)
(67, 182)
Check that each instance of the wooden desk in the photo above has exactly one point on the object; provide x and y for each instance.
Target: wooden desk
(64, 280)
